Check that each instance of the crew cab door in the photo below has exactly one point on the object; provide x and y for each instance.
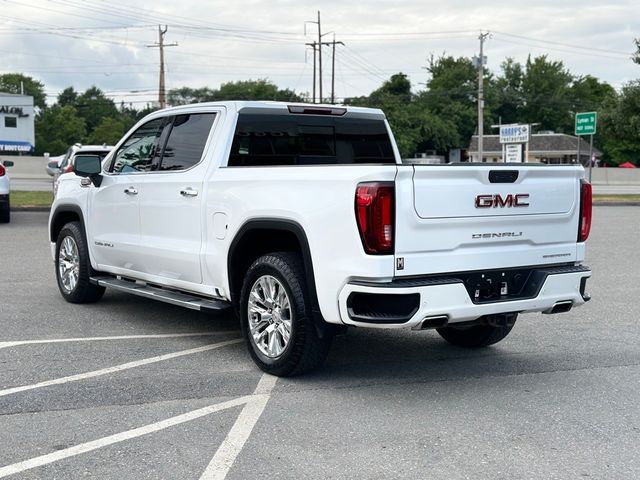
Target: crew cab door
(114, 218)
(171, 201)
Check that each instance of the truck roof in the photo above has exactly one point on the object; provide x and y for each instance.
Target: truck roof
(264, 106)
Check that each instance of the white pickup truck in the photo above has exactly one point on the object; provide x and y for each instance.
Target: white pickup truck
(304, 220)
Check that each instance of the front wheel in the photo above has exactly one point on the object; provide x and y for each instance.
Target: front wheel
(476, 336)
(73, 267)
(276, 317)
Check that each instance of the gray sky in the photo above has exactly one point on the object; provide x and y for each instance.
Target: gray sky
(86, 42)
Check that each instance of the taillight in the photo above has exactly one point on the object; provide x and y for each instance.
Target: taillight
(2, 170)
(585, 211)
(375, 212)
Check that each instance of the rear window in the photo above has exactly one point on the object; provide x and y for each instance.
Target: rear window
(268, 140)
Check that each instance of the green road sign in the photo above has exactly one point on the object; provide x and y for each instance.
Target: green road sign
(586, 123)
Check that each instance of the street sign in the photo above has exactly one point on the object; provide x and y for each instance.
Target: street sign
(586, 123)
(513, 153)
(515, 133)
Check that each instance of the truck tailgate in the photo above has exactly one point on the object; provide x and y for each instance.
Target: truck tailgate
(455, 218)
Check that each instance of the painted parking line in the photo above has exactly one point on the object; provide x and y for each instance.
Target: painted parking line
(15, 343)
(229, 449)
(117, 438)
(225, 455)
(118, 368)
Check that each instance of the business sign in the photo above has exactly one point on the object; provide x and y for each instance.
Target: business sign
(16, 146)
(13, 111)
(513, 153)
(586, 123)
(515, 133)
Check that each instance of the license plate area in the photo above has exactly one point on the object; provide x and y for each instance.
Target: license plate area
(499, 285)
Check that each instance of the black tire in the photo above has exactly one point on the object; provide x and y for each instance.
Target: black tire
(476, 336)
(305, 349)
(5, 212)
(83, 291)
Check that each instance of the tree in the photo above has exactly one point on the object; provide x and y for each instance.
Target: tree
(509, 100)
(94, 106)
(620, 126)
(68, 97)
(451, 96)
(546, 95)
(108, 132)
(261, 89)
(13, 82)
(57, 128)
(187, 95)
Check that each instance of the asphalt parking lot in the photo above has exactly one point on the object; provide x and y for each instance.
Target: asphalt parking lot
(132, 389)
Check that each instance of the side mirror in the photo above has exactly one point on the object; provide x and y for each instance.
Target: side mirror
(8, 163)
(88, 166)
(53, 165)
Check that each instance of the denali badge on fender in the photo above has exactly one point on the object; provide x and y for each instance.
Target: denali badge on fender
(488, 201)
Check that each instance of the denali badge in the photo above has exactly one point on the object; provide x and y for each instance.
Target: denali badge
(496, 235)
(488, 201)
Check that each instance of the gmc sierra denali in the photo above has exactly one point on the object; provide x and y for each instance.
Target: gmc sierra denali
(303, 219)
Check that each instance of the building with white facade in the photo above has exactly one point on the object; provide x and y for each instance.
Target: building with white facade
(17, 131)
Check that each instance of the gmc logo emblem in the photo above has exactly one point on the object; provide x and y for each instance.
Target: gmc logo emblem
(488, 201)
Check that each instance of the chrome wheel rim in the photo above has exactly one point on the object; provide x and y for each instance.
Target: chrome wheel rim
(68, 264)
(269, 312)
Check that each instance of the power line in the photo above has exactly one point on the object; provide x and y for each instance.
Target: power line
(578, 47)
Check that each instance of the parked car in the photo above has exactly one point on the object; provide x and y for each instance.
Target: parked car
(54, 164)
(304, 220)
(5, 204)
(66, 166)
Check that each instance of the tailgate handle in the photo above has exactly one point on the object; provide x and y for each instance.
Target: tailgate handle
(503, 176)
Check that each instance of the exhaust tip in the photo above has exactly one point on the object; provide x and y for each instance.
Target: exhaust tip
(561, 307)
(436, 321)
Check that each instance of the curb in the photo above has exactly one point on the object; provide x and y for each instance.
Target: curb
(616, 204)
(30, 209)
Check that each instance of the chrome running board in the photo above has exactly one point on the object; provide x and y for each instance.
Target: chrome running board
(182, 299)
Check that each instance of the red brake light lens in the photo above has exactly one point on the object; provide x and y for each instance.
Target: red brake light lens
(375, 212)
(585, 211)
(2, 170)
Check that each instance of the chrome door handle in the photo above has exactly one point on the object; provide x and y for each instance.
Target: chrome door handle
(189, 192)
(131, 191)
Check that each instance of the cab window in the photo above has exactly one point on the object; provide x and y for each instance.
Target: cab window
(141, 151)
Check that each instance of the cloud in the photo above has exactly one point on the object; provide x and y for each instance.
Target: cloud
(224, 41)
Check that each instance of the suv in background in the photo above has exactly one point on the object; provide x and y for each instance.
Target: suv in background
(5, 208)
(66, 165)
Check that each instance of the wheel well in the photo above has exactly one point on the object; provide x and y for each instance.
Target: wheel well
(61, 219)
(254, 243)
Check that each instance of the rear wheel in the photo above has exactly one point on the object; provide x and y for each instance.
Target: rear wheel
(476, 336)
(276, 317)
(5, 212)
(73, 267)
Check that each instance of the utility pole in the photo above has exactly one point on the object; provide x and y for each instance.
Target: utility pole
(319, 59)
(333, 68)
(317, 48)
(480, 63)
(313, 45)
(162, 99)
